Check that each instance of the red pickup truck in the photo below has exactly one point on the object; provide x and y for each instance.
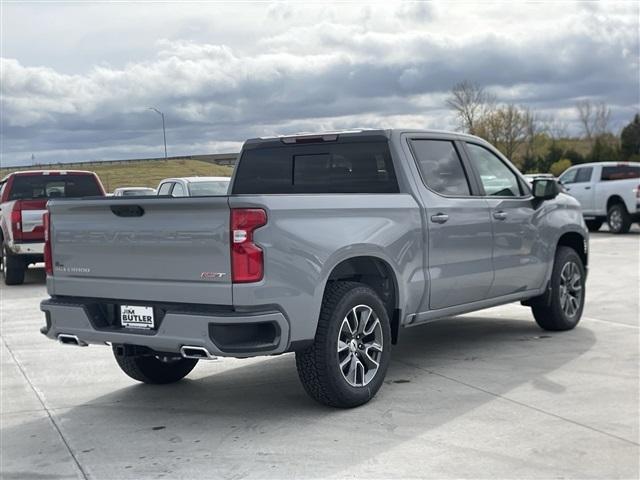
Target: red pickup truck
(23, 201)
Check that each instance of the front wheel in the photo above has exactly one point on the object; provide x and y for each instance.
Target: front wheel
(562, 307)
(618, 219)
(154, 369)
(347, 363)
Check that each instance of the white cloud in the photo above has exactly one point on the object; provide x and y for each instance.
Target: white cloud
(280, 68)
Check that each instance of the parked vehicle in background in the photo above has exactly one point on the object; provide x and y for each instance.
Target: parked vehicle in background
(530, 177)
(133, 191)
(326, 246)
(606, 191)
(23, 200)
(194, 186)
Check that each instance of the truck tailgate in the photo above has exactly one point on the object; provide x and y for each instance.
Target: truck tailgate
(153, 249)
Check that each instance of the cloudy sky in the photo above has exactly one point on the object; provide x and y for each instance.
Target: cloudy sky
(78, 78)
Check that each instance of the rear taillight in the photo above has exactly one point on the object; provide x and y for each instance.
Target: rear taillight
(16, 221)
(48, 262)
(247, 262)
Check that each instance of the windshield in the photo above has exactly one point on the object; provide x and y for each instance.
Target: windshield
(213, 187)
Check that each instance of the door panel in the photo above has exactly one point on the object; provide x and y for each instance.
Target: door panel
(460, 250)
(581, 188)
(518, 254)
(458, 226)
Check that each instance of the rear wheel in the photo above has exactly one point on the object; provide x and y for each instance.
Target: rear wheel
(154, 369)
(13, 267)
(618, 219)
(561, 308)
(594, 225)
(348, 360)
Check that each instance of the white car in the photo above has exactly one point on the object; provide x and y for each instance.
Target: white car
(133, 191)
(606, 191)
(194, 186)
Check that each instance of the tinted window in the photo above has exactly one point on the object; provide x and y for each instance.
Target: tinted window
(202, 189)
(164, 188)
(620, 172)
(497, 179)
(584, 174)
(53, 186)
(178, 191)
(354, 167)
(440, 166)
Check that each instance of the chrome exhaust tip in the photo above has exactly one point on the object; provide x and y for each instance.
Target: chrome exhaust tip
(198, 353)
(66, 339)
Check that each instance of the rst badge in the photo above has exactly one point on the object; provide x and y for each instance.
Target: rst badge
(212, 275)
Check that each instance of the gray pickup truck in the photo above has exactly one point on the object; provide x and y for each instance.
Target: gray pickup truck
(327, 246)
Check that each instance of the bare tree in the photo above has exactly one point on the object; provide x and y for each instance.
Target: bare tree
(594, 119)
(470, 102)
(554, 127)
(533, 127)
(508, 127)
(514, 124)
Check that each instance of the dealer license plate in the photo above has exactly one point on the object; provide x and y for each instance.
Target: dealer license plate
(135, 316)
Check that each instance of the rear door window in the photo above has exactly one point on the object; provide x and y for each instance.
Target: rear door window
(620, 172)
(354, 167)
(27, 187)
(440, 167)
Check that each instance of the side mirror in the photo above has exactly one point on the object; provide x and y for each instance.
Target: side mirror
(545, 188)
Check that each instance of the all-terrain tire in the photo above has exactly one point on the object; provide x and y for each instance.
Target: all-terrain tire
(550, 311)
(13, 267)
(618, 218)
(319, 365)
(154, 370)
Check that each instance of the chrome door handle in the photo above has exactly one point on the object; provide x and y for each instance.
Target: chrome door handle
(500, 215)
(587, 188)
(439, 218)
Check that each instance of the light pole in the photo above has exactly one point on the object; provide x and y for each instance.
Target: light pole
(164, 133)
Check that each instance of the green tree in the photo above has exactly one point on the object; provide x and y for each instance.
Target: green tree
(630, 139)
(560, 166)
(604, 151)
(554, 154)
(574, 156)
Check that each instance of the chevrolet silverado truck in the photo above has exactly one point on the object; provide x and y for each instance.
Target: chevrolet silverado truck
(606, 191)
(327, 245)
(23, 200)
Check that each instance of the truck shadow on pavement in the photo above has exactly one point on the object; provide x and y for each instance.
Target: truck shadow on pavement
(255, 420)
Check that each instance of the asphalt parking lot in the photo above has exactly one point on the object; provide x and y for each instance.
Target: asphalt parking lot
(478, 396)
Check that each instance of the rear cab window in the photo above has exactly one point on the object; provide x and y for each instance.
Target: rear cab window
(352, 166)
(32, 187)
(204, 189)
(620, 172)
